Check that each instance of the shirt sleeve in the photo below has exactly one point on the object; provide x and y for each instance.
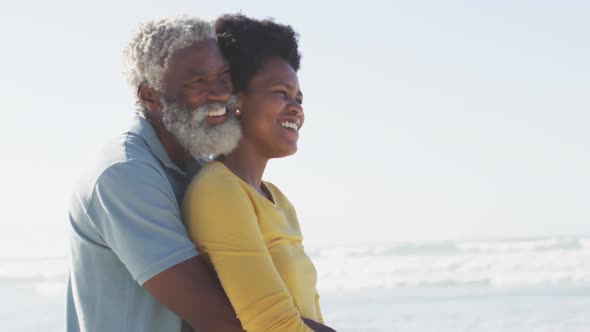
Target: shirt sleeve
(317, 308)
(222, 221)
(135, 211)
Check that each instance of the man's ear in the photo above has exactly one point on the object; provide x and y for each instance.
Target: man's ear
(148, 97)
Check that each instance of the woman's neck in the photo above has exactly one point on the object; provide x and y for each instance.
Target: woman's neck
(245, 162)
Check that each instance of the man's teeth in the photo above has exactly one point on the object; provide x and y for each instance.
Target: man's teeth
(218, 112)
(291, 125)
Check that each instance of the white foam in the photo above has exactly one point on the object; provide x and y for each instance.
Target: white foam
(499, 264)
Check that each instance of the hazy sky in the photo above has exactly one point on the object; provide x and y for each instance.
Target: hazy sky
(424, 119)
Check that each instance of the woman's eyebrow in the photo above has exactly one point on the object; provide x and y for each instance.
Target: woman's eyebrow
(286, 85)
(289, 86)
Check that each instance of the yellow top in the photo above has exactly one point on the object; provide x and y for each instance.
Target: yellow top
(255, 248)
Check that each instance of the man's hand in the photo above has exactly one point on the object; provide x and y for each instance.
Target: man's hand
(191, 290)
(317, 327)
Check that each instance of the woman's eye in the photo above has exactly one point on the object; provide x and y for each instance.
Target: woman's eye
(282, 92)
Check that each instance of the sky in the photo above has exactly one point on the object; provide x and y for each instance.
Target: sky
(425, 120)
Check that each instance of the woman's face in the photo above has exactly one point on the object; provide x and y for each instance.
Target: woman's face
(271, 111)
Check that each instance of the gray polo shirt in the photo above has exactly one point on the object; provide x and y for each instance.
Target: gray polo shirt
(125, 228)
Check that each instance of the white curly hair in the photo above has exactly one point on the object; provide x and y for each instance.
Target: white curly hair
(148, 54)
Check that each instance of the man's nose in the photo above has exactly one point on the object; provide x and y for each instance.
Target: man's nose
(219, 90)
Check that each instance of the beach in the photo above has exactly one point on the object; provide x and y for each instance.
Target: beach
(527, 284)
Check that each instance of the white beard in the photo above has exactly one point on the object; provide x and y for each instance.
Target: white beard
(194, 134)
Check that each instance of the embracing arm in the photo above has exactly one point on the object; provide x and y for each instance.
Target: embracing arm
(317, 327)
(192, 291)
(146, 233)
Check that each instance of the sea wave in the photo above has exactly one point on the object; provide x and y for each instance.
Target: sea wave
(520, 263)
(457, 247)
(504, 263)
(46, 269)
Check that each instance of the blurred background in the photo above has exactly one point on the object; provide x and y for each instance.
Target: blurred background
(442, 178)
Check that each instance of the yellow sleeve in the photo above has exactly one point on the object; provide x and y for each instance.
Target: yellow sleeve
(221, 220)
(317, 308)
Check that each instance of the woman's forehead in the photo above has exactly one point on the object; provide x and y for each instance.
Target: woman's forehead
(276, 71)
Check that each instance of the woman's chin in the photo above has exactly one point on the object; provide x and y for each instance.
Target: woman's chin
(286, 152)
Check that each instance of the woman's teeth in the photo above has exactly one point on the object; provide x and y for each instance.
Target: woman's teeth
(291, 125)
(218, 112)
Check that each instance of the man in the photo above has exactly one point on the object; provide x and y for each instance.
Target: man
(133, 267)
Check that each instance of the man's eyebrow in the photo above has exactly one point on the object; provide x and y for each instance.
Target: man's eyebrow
(188, 76)
(191, 73)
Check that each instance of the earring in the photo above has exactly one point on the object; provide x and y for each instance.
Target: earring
(238, 113)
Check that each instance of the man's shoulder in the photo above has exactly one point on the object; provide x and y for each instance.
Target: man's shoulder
(128, 148)
(126, 157)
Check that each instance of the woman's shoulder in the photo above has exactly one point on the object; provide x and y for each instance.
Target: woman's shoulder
(214, 176)
(285, 205)
(277, 195)
(213, 169)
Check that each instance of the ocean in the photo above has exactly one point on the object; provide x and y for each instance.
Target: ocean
(526, 284)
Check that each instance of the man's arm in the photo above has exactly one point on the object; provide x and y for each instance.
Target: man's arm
(137, 215)
(210, 310)
(192, 291)
(317, 327)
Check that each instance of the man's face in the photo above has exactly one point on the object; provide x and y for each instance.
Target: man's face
(196, 100)
(197, 75)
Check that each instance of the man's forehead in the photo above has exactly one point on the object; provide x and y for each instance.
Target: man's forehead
(201, 68)
(197, 52)
(199, 58)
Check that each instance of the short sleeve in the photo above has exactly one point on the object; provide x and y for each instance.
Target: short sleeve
(134, 209)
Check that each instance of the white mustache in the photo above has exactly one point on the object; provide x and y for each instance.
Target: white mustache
(194, 134)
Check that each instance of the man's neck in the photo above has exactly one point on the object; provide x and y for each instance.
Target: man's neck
(175, 151)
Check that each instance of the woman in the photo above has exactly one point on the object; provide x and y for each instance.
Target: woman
(245, 227)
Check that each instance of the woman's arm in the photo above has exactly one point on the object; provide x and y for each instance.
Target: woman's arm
(317, 308)
(221, 219)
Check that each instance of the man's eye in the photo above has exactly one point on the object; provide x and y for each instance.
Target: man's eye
(193, 83)
(282, 92)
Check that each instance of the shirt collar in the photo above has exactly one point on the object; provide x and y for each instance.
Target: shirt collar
(142, 127)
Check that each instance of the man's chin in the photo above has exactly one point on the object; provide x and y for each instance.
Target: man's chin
(215, 140)
(200, 134)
